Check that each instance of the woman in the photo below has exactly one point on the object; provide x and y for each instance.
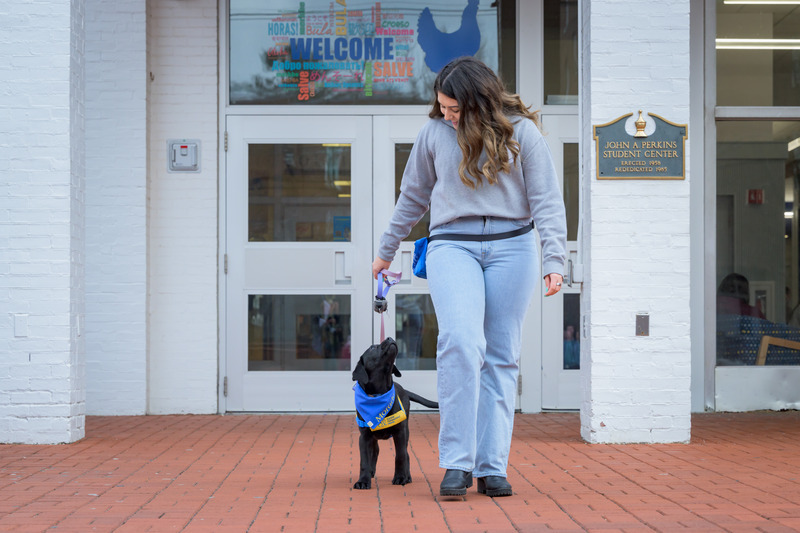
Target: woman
(482, 167)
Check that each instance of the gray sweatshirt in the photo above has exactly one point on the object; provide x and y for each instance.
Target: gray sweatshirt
(529, 191)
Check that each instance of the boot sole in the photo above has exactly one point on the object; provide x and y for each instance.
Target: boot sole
(493, 492)
(453, 492)
(496, 492)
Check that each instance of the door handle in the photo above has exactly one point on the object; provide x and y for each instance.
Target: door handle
(405, 266)
(574, 271)
(570, 273)
(342, 267)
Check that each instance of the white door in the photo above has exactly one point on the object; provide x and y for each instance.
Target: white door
(307, 198)
(410, 319)
(561, 313)
(299, 248)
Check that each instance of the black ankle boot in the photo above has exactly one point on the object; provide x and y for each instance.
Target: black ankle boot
(494, 486)
(455, 483)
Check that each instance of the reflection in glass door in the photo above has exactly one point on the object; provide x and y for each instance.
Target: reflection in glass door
(298, 228)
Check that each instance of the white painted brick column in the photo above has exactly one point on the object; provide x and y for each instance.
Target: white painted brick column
(116, 207)
(635, 233)
(183, 220)
(42, 222)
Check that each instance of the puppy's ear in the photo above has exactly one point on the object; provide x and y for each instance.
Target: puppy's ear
(396, 371)
(359, 372)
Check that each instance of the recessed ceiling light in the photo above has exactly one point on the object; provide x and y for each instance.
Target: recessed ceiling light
(758, 44)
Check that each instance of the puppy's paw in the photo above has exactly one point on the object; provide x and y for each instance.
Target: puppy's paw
(401, 479)
(362, 485)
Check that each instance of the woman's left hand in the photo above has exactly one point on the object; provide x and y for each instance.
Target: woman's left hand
(553, 283)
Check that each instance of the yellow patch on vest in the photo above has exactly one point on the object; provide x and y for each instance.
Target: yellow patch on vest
(393, 419)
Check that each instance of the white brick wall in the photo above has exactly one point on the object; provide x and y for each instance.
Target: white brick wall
(116, 207)
(635, 232)
(182, 309)
(41, 222)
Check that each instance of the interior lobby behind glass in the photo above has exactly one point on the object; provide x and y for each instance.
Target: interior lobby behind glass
(758, 279)
(758, 60)
(758, 164)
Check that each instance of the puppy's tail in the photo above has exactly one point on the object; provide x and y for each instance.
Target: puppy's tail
(422, 401)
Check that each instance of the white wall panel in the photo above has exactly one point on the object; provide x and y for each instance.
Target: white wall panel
(182, 249)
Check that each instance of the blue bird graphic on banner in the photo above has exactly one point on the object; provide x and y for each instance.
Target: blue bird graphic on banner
(440, 48)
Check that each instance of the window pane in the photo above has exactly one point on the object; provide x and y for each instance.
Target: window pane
(306, 332)
(507, 13)
(417, 331)
(572, 341)
(324, 52)
(401, 153)
(561, 52)
(299, 192)
(758, 279)
(752, 70)
(571, 189)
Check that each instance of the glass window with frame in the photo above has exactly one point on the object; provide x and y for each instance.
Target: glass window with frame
(758, 54)
(571, 189)
(757, 47)
(416, 332)
(758, 246)
(572, 339)
(359, 53)
(299, 192)
(402, 151)
(560, 52)
(298, 332)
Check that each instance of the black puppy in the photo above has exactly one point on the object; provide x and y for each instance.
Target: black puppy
(388, 419)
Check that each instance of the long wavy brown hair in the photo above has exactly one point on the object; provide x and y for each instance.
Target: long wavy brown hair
(484, 123)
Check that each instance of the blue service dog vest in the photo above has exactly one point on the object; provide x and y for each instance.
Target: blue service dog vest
(378, 412)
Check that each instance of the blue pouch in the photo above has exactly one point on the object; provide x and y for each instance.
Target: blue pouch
(418, 263)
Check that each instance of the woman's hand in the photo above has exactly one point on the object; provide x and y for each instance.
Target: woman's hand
(553, 283)
(378, 265)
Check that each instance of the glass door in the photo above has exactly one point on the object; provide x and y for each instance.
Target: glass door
(298, 249)
(561, 331)
(410, 319)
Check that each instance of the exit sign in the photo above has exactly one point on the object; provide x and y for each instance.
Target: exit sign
(755, 196)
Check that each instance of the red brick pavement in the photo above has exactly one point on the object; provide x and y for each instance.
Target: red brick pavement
(294, 473)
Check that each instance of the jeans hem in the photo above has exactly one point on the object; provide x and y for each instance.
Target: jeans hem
(454, 467)
(487, 474)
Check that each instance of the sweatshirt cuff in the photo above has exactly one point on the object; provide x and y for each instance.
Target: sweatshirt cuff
(386, 253)
(553, 267)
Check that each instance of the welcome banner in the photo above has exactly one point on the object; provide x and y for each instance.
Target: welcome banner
(351, 52)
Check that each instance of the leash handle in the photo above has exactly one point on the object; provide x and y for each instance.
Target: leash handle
(386, 280)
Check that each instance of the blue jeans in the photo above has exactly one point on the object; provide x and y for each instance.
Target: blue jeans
(481, 292)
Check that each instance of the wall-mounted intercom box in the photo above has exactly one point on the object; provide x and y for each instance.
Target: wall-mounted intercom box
(183, 155)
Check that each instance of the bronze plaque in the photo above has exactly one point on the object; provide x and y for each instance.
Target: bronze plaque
(659, 155)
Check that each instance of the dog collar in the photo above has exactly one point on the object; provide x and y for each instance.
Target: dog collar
(378, 412)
